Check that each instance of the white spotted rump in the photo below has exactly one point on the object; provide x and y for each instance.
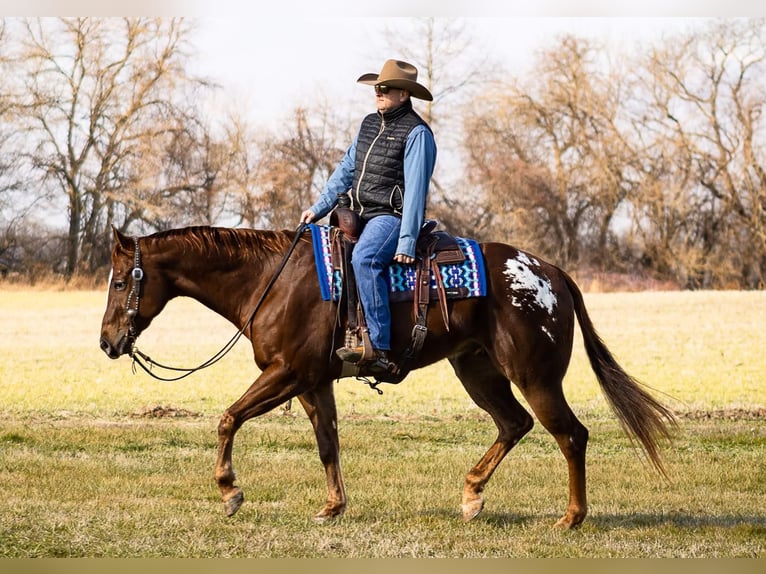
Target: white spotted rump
(527, 288)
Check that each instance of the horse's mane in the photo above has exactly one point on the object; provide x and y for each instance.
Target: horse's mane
(226, 242)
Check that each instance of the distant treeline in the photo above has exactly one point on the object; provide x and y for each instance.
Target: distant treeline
(651, 163)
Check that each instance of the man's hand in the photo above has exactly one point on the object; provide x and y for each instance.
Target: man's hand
(405, 259)
(307, 216)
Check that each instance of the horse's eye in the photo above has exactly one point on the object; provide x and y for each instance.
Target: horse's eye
(119, 285)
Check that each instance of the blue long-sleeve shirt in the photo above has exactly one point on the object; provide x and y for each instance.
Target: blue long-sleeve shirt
(419, 162)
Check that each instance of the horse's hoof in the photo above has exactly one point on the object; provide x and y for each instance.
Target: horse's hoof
(472, 509)
(324, 516)
(232, 504)
(566, 522)
(563, 524)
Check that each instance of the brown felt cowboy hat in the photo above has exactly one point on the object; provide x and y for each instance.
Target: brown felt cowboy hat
(398, 74)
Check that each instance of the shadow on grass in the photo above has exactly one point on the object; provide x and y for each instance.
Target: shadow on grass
(756, 522)
(753, 523)
(495, 519)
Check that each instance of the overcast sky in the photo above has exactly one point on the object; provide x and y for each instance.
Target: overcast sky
(271, 65)
(271, 56)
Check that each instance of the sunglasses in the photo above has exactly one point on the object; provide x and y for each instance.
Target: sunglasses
(383, 89)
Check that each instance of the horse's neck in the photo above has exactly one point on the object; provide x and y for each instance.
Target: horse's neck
(223, 284)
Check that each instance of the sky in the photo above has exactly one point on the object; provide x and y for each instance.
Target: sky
(270, 57)
(272, 65)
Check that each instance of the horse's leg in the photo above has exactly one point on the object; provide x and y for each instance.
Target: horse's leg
(549, 405)
(320, 408)
(272, 388)
(491, 391)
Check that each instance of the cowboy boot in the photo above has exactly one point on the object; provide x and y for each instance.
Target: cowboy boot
(381, 364)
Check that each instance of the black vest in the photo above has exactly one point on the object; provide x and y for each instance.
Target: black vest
(379, 163)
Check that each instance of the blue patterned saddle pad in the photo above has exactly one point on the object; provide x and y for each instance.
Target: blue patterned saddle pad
(461, 280)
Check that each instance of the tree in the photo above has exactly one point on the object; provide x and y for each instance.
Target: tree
(549, 159)
(13, 208)
(704, 99)
(293, 166)
(453, 66)
(104, 100)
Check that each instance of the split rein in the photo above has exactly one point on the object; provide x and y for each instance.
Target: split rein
(146, 362)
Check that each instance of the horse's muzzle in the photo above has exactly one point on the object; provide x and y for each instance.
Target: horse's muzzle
(122, 347)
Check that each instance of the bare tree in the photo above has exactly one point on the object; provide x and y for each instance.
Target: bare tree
(704, 96)
(549, 157)
(293, 166)
(455, 67)
(12, 211)
(105, 99)
(449, 61)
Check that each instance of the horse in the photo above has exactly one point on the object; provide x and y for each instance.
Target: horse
(520, 332)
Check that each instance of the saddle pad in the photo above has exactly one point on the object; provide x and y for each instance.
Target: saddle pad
(461, 280)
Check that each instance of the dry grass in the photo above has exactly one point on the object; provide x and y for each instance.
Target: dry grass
(97, 461)
(127, 488)
(704, 349)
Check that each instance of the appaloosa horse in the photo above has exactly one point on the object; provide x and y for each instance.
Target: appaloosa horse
(520, 332)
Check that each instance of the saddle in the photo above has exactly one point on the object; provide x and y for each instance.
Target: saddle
(433, 248)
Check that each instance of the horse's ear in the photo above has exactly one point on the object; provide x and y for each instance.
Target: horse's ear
(121, 240)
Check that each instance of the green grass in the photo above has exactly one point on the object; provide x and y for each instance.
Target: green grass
(85, 471)
(144, 488)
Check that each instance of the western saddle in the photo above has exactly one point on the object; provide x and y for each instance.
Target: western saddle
(433, 248)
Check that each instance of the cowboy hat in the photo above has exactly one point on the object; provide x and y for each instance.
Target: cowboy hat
(398, 74)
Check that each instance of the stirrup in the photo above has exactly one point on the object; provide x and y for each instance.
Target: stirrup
(381, 366)
(357, 348)
(351, 354)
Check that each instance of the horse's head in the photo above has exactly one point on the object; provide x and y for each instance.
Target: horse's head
(135, 296)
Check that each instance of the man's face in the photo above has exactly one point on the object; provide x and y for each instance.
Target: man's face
(388, 98)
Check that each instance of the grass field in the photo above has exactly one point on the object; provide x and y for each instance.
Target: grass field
(96, 461)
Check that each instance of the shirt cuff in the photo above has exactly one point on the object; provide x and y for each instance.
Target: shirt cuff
(406, 246)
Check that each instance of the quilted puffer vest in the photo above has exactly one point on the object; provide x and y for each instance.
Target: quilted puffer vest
(379, 163)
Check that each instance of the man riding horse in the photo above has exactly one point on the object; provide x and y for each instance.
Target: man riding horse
(385, 175)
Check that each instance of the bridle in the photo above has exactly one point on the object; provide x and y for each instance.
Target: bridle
(137, 274)
(146, 362)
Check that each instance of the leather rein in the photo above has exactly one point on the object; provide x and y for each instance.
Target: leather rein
(146, 362)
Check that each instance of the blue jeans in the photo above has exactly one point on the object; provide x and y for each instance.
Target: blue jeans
(372, 255)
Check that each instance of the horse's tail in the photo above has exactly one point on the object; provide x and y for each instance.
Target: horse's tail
(641, 416)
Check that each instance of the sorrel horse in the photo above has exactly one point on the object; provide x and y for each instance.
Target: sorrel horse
(520, 332)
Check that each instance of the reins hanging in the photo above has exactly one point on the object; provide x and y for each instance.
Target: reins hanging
(146, 362)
